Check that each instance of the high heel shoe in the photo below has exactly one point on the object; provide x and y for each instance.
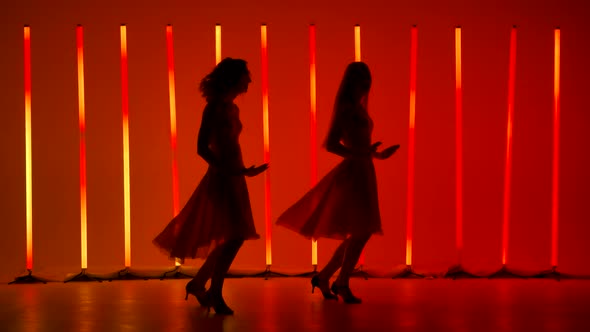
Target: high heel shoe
(345, 293)
(315, 282)
(218, 304)
(199, 293)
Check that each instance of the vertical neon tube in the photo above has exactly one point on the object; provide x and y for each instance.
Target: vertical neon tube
(82, 126)
(125, 111)
(28, 147)
(357, 58)
(217, 43)
(555, 168)
(509, 125)
(458, 146)
(313, 125)
(264, 80)
(411, 143)
(173, 136)
(172, 98)
(357, 43)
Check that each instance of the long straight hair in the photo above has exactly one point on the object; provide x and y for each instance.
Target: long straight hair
(353, 91)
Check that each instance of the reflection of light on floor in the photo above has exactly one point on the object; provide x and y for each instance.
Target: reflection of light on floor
(263, 305)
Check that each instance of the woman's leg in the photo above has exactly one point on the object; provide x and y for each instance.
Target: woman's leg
(206, 270)
(228, 252)
(351, 257)
(335, 262)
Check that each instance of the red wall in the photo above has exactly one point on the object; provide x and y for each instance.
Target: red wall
(385, 47)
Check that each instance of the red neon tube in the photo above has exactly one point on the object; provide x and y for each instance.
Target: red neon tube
(313, 125)
(458, 145)
(411, 143)
(82, 126)
(173, 136)
(28, 148)
(555, 168)
(125, 111)
(509, 126)
(264, 80)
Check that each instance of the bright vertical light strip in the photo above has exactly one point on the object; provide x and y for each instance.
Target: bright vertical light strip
(555, 168)
(458, 146)
(172, 98)
(313, 126)
(264, 80)
(217, 43)
(173, 136)
(125, 111)
(509, 125)
(411, 143)
(357, 43)
(82, 125)
(28, 148)
(357, 58)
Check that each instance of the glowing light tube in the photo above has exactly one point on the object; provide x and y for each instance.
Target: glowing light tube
(357, 43)
(264, 81)
(555, 168)
(411, 143)
(217, 43)
(28, 148)
(125, 111)
(357, 58)
(313, 125)
(172, 98)
(82, 126)
(173, 136)
(508, 165)
(458, 146)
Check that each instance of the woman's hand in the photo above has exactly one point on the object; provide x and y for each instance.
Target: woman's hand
(384, 154)
(254, 170)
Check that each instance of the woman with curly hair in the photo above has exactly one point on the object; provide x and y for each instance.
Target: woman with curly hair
(217, 217)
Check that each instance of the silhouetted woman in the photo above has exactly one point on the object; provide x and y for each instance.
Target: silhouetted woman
(344, 204)
(217, 217)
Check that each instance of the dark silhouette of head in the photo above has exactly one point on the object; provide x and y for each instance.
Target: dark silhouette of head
(355, 85)
(227, 80)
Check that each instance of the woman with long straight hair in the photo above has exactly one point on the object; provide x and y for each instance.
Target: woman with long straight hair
(344, 204)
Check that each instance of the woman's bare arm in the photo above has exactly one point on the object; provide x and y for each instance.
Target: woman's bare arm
(204, 139)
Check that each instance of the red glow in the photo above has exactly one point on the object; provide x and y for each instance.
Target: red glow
(555, 168)
(411, 143)
(357, 43)
(508, 166)
(313, 125)
(125, 111)
(458, 146)
(82, 125)
(264, 81)
(217, 43)
(357, 57)
(172, 97)
(28, 154)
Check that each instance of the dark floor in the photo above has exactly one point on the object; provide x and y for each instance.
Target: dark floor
(286, 304)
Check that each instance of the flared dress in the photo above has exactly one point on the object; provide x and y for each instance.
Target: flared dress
(219, 208)
(345, 201)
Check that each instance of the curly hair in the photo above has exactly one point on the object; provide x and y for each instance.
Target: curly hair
(224, 78)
